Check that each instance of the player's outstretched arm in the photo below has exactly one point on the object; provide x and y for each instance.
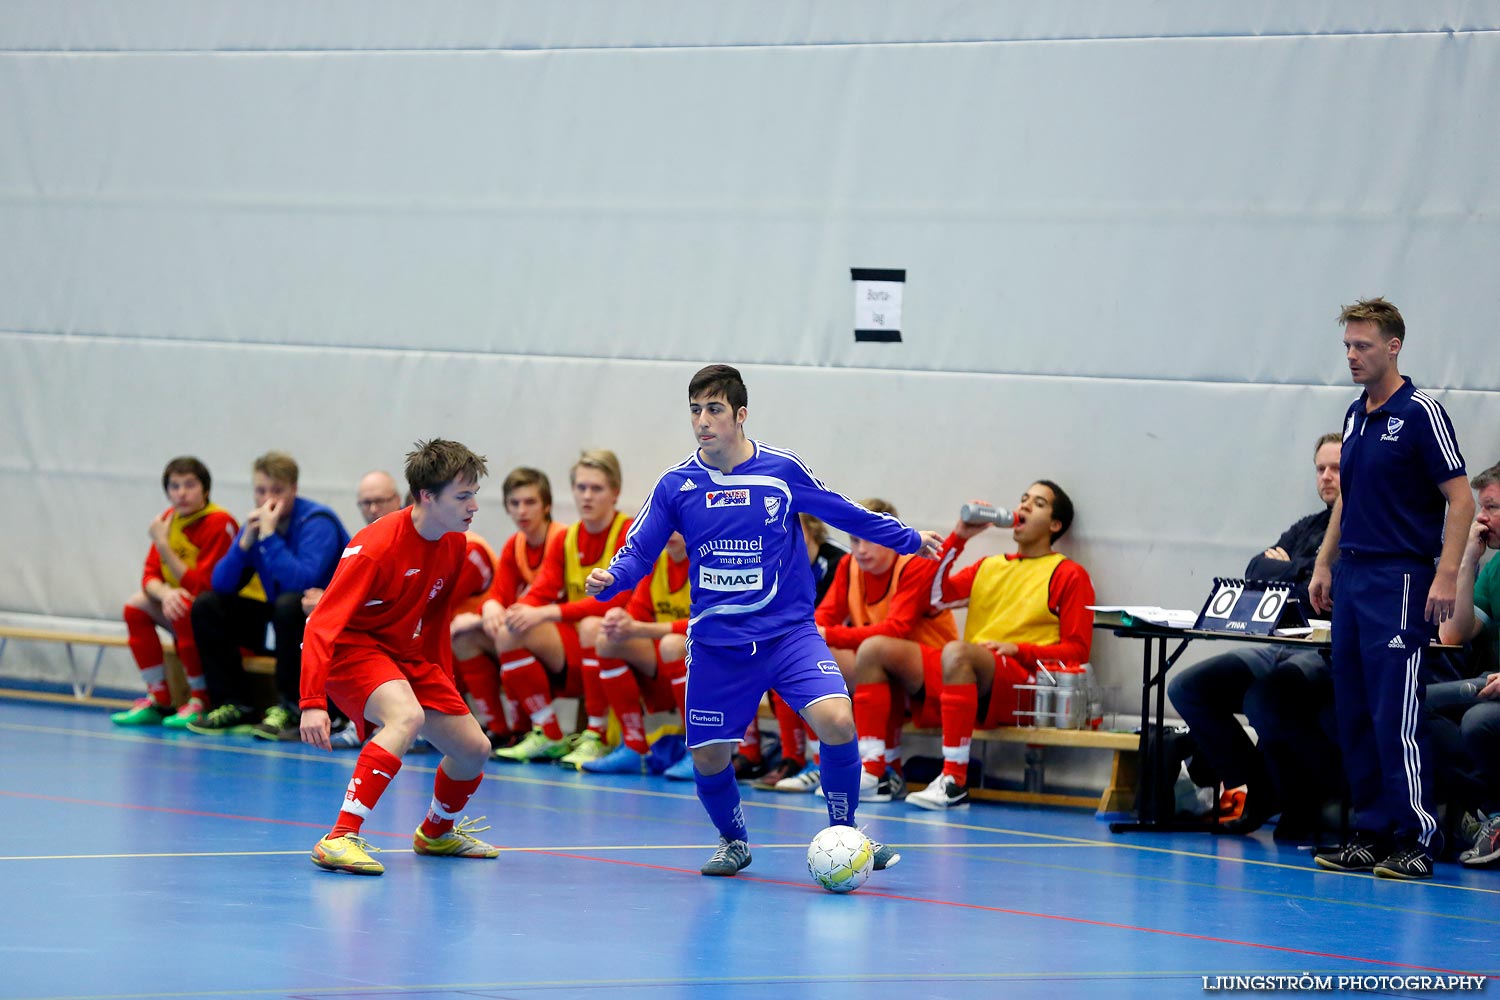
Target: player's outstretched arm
(598, 581)
(315, 728)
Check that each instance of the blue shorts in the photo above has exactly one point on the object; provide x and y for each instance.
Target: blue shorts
(726, 683)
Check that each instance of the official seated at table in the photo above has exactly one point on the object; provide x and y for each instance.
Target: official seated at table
(1285, 691)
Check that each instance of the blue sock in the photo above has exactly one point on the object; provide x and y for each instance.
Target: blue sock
(841, 781)
(720, 795)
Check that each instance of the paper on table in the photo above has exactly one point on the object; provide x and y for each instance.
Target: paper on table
(1170, 617)
(1316, 629)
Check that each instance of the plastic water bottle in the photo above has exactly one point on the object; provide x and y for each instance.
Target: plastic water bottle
(983, 513)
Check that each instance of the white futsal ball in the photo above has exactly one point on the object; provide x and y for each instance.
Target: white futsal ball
(839, 858)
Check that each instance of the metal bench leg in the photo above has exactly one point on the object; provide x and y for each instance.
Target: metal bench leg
(1036, 769)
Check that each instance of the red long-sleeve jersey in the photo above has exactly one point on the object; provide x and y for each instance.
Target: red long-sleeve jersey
(512, 581)
(200, 544)
(478, 575)
(550, 584)
(392, 591)
(642, 606)
(911, 602)
(1069, 593)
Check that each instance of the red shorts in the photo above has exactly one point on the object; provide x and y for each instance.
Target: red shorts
(996, 709)
(927, 711)
(569, 683)
(999, 707)
(357, 671)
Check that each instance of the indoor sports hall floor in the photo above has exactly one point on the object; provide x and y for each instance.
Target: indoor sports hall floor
(148, 864)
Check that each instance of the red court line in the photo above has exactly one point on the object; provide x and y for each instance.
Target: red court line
(1045, 916)
(190, 812)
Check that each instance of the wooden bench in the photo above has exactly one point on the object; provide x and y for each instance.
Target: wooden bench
(83, 684)
(1118, 796)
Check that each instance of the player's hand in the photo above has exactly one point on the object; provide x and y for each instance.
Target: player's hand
(1441, 598)
(618, 624)
(598, 580)
(310, 598)
(159, 528)
(250, 531)
(175, 603)
(492, 620)
(315, 728)
(963, 529)
(272, 516)
(466, 622)
(1279, 553)
(521, 618)
(1491, 689)
(1320, 589)
(932, 544)
(1002, 648)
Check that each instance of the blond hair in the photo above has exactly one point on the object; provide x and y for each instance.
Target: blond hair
(277, 466)
(601, 459)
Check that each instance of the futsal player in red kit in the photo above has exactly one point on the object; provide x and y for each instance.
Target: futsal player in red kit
(377, 645)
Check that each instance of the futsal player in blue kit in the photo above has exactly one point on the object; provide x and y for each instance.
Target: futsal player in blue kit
(736, 502)
(1395, 581)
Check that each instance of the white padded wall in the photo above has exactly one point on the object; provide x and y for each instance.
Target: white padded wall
(1127, 230)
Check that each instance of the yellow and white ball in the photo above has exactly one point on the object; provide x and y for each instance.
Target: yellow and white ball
(840, 858)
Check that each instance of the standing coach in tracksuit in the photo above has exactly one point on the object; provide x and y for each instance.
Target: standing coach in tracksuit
(1399, 469)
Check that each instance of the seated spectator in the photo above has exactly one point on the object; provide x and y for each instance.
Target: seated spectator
(481, 636)
(647, 639)
(1023, 608)
(287, 544)
(877, 594)
(187, 539)
(1285, 691)
(558, 624)
(1476, 752)
(376, 496)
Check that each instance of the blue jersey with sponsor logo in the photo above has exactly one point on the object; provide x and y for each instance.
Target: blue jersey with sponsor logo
(750, 578)
(1392, 463)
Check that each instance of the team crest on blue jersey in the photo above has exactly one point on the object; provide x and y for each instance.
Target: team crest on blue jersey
(1393, 427)
(727, 498)
(773, 509)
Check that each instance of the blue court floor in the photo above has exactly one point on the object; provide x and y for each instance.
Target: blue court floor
(150, 864)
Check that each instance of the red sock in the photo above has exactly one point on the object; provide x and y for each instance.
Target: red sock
(793, 736)
(481, 678)
(872, 705)
(526, 680)
(449, 796)
(677, 675)
(656, 691)
(894, 721)
(595, 702)
(623, 694)
(192, 663)
(750, 746)
(512, 721)
(372, 773)
(145, 646)
(960, 707)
